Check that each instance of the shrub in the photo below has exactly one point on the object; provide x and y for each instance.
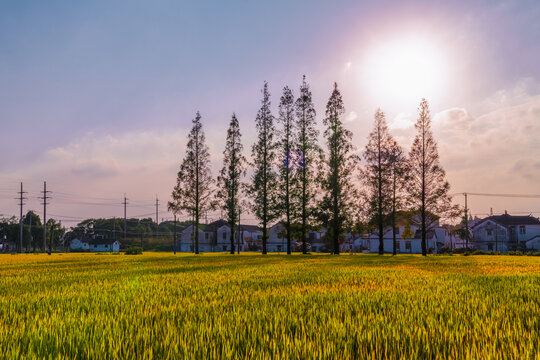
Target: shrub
(536, 253)
(115, 253)
(479, 252)
(133, 250)
(466, 253)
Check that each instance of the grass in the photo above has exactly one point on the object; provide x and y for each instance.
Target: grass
(223, 306)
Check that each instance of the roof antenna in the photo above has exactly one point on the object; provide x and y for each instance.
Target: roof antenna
(490, 211)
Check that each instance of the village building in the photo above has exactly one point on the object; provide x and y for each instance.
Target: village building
(96, 243)
(215, 237)
(506, 233)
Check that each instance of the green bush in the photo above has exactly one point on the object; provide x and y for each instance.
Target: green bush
(536, 253)
(115, 253)
(479, 252)
(133, 250)
(466, 253)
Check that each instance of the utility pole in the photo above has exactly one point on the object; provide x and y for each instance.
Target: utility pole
(45, 203)
(466, 222)
(125, 217)
(239, 230)
(157, 223)
(21, 203)
(174, 235)
(31, 238)
(496, 237)
(113, 233)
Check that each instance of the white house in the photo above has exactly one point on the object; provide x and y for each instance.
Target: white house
(435, 239)
(97, 244)
(506, 232)
(277, 239)
(215, 237)
(533, 244)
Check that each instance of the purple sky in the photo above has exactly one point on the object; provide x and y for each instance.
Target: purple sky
(97, 98)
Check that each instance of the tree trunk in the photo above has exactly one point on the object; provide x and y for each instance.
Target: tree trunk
(394, 250)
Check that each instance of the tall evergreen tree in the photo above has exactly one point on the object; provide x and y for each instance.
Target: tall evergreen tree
(377, 174)
(229, 179)
(193, 191)
(400, 179)
(310, 151)
(339, 167)
(286, 152)
(264, 180)
(428, 188)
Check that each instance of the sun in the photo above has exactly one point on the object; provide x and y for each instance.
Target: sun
(405, 69)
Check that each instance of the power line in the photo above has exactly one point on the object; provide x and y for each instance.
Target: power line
(125, 214)
(527, 196)
(157, 219)
(45, 203)
(21, 203)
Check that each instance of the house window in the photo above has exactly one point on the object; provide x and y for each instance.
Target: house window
(522, 229)
(407, 245)
(224, 235)
(396, 229)
(489, 232)
(398, 245)
(279, 248)
(207, 236)
(224, 247)
(490, 246)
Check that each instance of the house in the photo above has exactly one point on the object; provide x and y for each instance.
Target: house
(316, 241)
(277, 239)
(246, 237)
(251, 236)
(533, 244)
(435, 239)
(506, 232)
(96, 243)
(215, 237)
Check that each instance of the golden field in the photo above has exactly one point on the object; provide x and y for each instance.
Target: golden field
(159, 305)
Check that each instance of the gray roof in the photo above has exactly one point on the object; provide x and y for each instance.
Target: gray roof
(509, 220)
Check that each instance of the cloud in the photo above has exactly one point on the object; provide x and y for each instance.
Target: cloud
(497, 149)
(402, 121)
(527, 168)
(95, 169)
(351, 117)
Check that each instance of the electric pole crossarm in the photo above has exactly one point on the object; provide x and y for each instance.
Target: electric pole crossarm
(44, 198)
(21, 203)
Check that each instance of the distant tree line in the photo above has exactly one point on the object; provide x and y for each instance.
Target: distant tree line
(32, 234)
(295, 180)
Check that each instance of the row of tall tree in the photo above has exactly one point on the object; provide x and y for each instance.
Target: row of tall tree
(294, 180)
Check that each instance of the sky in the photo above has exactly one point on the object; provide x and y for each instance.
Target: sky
(97, 98)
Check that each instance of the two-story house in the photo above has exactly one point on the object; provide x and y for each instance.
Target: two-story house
(506, 232)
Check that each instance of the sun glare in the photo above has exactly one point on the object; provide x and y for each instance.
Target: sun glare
(404, 70)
